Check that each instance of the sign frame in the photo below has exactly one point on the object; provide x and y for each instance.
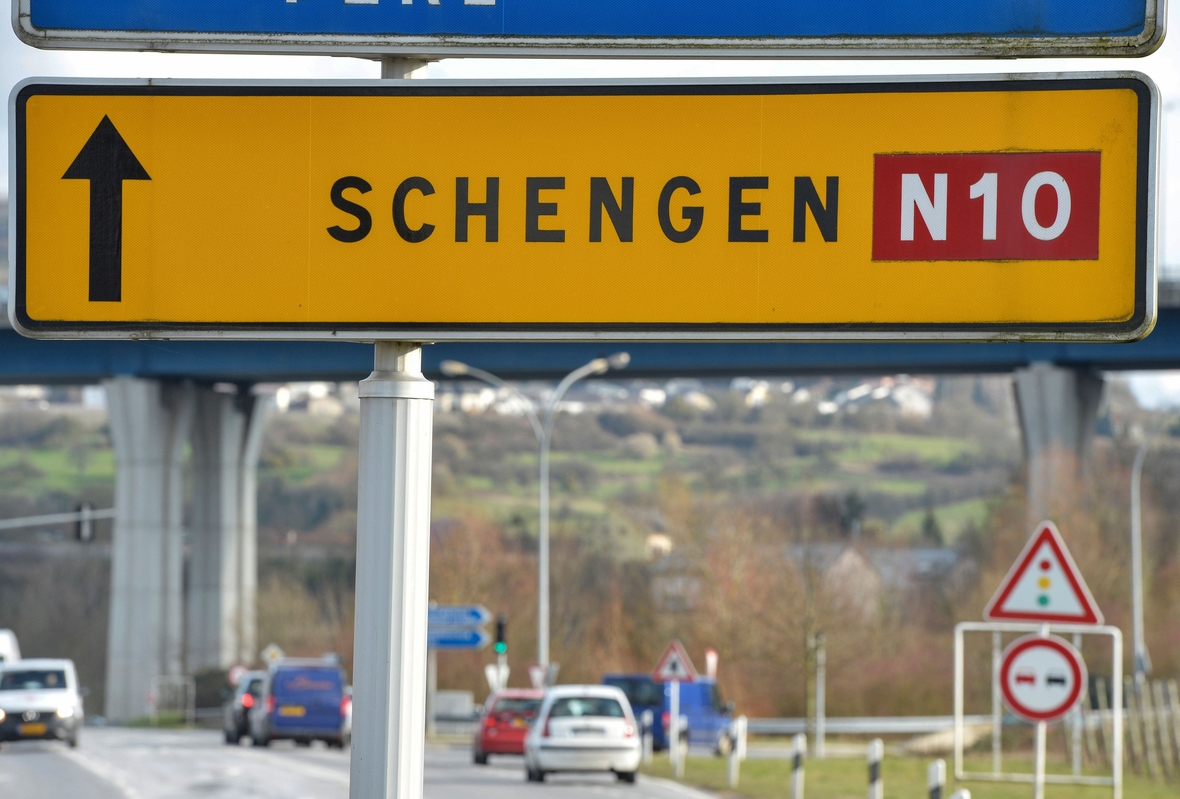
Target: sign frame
(1141, 323)
(994, 44)
(1115, 780)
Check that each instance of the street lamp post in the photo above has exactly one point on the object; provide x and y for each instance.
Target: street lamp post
(1142, 661)
(543, 429)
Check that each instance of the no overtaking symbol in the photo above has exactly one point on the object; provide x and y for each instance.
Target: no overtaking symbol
(1042, 678)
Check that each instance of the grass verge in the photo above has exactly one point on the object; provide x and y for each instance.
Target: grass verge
(904, 777)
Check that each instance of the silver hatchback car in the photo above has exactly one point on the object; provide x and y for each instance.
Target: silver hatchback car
(583, 728)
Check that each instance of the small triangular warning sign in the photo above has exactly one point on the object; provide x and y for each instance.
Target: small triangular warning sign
(674, 665)
(1044, 585)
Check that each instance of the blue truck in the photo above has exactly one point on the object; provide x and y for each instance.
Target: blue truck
(707, 715)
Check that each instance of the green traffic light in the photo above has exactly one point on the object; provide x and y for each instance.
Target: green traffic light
(501, 647)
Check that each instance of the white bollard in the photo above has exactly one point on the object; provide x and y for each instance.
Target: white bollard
(737, 748)
(647, 722)
(876, 753)
(936, 778)
(799, 750)
(733, 761)
(672, 734)
(681, 747)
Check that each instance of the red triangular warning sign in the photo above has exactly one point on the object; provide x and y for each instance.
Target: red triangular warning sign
(674, 665)
(1044, 585)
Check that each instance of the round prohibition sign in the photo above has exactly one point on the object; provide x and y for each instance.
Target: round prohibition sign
(1042, 678)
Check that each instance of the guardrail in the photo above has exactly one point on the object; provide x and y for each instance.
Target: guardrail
(864, 725)
(850, 725)
(57, 518)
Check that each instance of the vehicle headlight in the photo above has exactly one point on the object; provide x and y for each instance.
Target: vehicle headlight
(2, 715)
(65, 712)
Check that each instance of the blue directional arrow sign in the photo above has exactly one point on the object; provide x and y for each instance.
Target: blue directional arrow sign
(684, 28)
(456, 638)
(459, 616)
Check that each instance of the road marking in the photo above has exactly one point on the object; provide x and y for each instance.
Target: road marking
(307, 769)
(105, 771)
(684, 790)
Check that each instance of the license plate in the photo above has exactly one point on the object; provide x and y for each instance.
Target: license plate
(519, 723)
(589, 731)
(293, 710)
(31, 729)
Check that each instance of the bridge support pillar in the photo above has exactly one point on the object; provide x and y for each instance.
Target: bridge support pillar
(150, 423)
(1058, 410)
(223, 565)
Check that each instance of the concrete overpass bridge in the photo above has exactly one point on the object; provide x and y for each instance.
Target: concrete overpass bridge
(248, 362)
(161, 398)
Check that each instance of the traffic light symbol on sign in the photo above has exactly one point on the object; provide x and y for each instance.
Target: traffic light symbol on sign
(1044, 585)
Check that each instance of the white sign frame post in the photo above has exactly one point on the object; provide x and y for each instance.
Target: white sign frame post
(673, 667)
(674, 729)
(1039, 779)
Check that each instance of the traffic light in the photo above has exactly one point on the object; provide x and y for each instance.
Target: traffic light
(501, 641)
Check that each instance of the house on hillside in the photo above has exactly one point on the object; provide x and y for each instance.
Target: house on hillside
(860, 578)
(675, 583)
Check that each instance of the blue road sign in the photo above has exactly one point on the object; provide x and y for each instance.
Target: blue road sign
(688, 28)
(459, 616)
(456, 638)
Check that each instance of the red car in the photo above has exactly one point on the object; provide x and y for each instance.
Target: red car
(504, 723)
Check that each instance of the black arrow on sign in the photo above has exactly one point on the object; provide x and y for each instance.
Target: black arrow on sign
(106, 161)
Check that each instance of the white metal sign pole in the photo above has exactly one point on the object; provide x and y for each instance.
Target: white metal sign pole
(1039, 768)
(821, 690)
(1078, 719)
(674, 732)
(1116, 706)
(1042, 736)
(997, 706)
(392, 574)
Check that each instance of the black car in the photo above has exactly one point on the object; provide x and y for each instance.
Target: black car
(236, 711)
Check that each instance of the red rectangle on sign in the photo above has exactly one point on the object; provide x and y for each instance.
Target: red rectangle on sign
(986, 206)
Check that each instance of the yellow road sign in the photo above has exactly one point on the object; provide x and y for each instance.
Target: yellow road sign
(973, 208)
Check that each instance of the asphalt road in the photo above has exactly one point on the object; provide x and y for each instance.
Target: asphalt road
(117, 763)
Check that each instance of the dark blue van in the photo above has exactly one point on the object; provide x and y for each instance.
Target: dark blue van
(305, 701)
(701, 706)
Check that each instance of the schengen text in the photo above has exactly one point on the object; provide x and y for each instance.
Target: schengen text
(609, 204)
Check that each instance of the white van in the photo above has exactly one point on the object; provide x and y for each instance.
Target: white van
(39, 699)
(9, 648)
